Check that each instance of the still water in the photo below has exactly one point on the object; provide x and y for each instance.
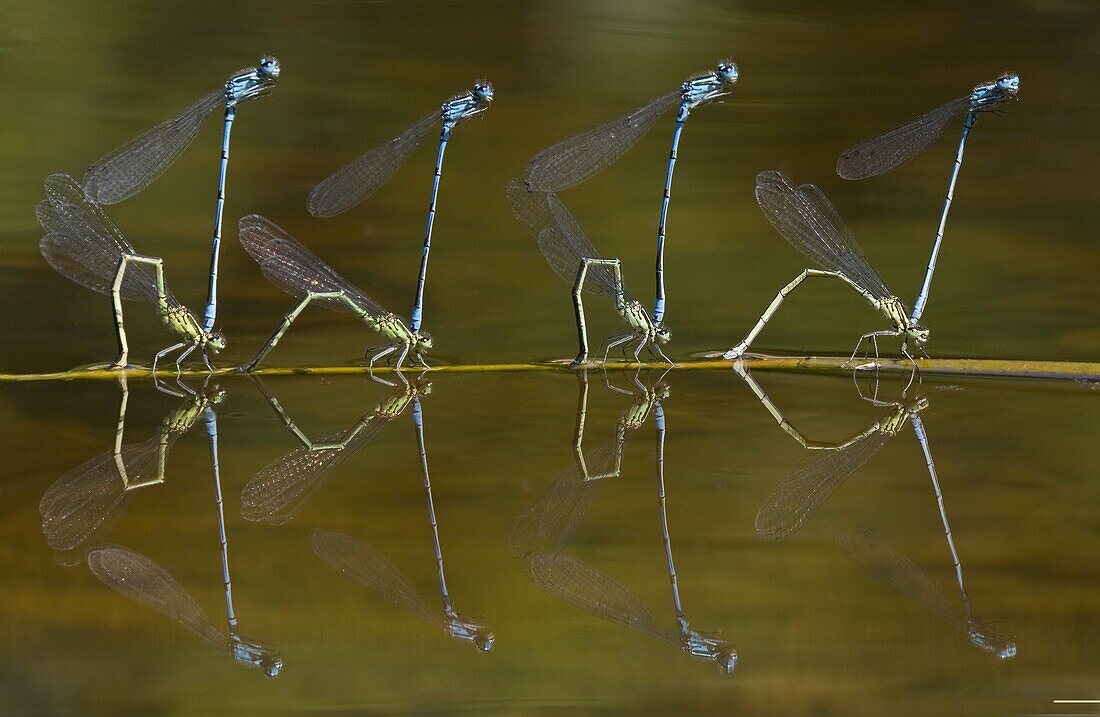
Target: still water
(831, 575)
(835, 589)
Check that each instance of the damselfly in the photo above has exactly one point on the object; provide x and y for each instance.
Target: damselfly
(85, 246)
(573, 257)
(297, 271)
(896, 147)
(583, 585)
(581, 157)
(799, 495)
(353, 183)
(806, 218)
(137, 164)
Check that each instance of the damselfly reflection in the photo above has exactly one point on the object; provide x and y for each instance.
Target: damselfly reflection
(742, 370)
(888, 564)
(798, 497)
(571, 255)
(85, 246)
(583, 585)
(896, 147)
(80, 504)
(137, 164)
(549, 522)
(143, 581)
(370, 568)
(583, 156)
(281, 489)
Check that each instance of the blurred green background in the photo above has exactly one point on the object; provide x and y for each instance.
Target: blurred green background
(1017, 272)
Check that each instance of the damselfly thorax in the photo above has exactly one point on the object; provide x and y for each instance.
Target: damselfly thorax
(989, 94)
(180, 319)
(252, 82)
(466, 105)
(183, 418)
(707, 87)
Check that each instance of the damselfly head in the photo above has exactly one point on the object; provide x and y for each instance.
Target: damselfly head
(1009, 84)
(423, 341)
(269, 66)
(662, 333)
(214, 396)
(726, 661)
(727, 72)
(918, 404)
(483, 91)
(990, 639)
(484, 639)
(919, 334)
(272, 667)
(990, 94)
(216, 342)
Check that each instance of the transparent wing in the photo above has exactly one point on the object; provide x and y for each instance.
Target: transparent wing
(367, 566)
(281, 489)
(582, 585)
(296, 270)
(85, 246)
(137, 164)
(354, 182)
(585, 155)
(560, 239)
(143, 581)
(795, 500)
(894, 148)
(810, 223)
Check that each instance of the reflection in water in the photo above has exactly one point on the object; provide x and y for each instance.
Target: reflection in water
(140, 579)
(284, 486)
(78, 505)
(796, 499)
(547, 525)
(891, 566)
(369, 567)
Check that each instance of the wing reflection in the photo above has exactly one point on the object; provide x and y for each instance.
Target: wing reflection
(888, 564)
(281, 489)
(81, 504)
(798, 496)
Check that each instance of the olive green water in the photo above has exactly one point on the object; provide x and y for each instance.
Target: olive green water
(814, 631)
